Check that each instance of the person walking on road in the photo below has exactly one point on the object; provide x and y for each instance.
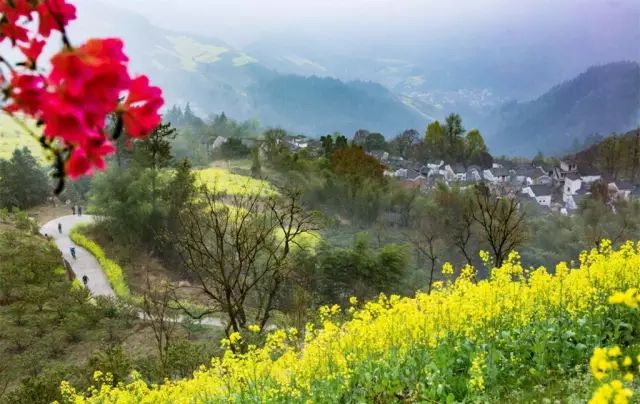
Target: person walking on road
(85, 280)
(60, 228)
(73, 209)
(79, 210)
(73, 252)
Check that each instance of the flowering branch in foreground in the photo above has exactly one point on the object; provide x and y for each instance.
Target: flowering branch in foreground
(85, 84)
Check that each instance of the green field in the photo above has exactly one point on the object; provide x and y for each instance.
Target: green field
(12, 136)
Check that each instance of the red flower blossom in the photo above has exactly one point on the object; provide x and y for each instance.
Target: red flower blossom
(32, 51)
(54, 16)
(141, 108)
(64, 120)
(83, 159)
(14, 32)
(15, 9)
(27, 93)
(99, 62)
(85, 84)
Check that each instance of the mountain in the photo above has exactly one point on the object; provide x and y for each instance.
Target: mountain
(215, 77)
(601, 100)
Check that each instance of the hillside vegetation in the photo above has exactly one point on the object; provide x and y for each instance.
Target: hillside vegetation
(521, 335)
(602, 100)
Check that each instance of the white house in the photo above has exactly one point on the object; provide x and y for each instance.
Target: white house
(219, 141)
(435, 165)
(401, 173)
(572, 184)
(621, 189)
(569, 166)
(496, 175)
(541, 193)
(474, 174)
(589, 175)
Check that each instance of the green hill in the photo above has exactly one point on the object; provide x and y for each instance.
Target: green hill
(602, 100)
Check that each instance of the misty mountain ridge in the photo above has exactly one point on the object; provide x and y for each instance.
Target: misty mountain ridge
(214, 78)
(601, 100)
(295, 90)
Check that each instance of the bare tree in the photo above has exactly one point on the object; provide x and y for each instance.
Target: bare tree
(501, 221)
(426, 238)
(157, 300)
(238, 248)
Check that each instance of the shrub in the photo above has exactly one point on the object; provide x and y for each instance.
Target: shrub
(112, 270)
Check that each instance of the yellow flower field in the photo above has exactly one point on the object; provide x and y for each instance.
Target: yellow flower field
(462, 341)
(233, 184)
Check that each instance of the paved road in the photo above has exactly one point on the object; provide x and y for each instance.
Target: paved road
(85, 263)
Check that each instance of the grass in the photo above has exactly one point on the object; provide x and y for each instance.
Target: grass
(12, 137)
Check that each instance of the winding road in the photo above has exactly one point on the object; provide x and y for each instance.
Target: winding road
(85, 263)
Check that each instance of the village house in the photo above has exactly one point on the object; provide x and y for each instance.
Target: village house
(589, 175)
(566, 167)
(621, 190)
(496, 175)
(381, 155)
(572, 184)
(541, 193)
(474, 174)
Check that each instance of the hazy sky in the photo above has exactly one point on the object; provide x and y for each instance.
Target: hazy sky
(241, 22)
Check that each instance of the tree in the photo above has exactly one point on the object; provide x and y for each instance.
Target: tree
(256, 167)
(341, 141)
(455, 208)
(327, 145)
(359, 270)
(154, 152)
(238, 249)
(375, 141)
(273, 139)
(501, 223)
(159, 314)
(402, 143)
(435, 140)
(453, 132)
(474, 145)
(426, 235)
(356, 166)
(360, 137)
(23, 184)
(233, 148)
(179, 192)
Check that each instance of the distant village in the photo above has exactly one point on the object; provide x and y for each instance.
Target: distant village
(558, 188)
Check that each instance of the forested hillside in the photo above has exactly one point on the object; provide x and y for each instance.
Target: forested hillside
(216, 78)
(602, 100)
